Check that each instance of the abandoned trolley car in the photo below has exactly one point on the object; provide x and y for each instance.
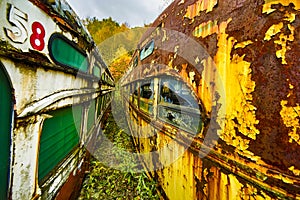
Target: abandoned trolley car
(54, 90)
(213, 99)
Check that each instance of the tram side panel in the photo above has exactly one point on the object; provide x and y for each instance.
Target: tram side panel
(54, 97)
(245, 81)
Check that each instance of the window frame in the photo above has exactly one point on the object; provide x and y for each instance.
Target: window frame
(59, 36)
(143, 53)
(148, 108)
(181, 110)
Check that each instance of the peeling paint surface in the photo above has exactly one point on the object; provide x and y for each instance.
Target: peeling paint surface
(25, 151)
(267, 7)
(200, 5)
(40, 86)
(248, 84)
(240, 115)
(290, 117)
(30, 87)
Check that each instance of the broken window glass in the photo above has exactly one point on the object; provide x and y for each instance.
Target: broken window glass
(147, 50)
(179, 106)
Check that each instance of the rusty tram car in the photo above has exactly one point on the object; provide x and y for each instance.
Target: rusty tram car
(213, 99)
(55, 88)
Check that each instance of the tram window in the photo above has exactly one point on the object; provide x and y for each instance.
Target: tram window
(176, 92)
(178, 106)
(135, 61)
(147, 91)
(135, 94)
(97, 71)
(91, 115)
(65, 53)
(146, 96)
(147, 50)
(99, 108)
(103, 78)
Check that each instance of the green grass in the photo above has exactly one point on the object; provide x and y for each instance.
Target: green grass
(109, 183)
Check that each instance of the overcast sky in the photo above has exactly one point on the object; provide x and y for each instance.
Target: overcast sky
(133, 12)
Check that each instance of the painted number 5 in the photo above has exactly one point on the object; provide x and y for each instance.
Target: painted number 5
(18, 20)
(18, 33)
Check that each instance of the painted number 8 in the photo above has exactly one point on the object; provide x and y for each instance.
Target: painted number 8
(37, 38)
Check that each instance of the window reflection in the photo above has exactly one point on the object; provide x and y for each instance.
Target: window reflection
(147, 50)
(178, 106)
(176, 92)
(146, 96)
(147, 91)
(135, 94)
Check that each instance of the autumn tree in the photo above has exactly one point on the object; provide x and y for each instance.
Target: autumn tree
(116, 42)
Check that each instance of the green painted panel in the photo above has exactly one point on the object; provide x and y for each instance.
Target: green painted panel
(5, 131)
(59, 136)
(65, 53)
(100, 100)
(97, 71)
(91, 115)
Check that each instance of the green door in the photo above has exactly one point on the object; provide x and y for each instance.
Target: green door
(5, 131)
(58, 139)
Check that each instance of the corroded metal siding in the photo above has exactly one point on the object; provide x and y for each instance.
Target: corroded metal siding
(248, 84)
(41, 86)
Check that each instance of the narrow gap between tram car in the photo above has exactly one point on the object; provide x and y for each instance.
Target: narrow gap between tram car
(104, 182)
